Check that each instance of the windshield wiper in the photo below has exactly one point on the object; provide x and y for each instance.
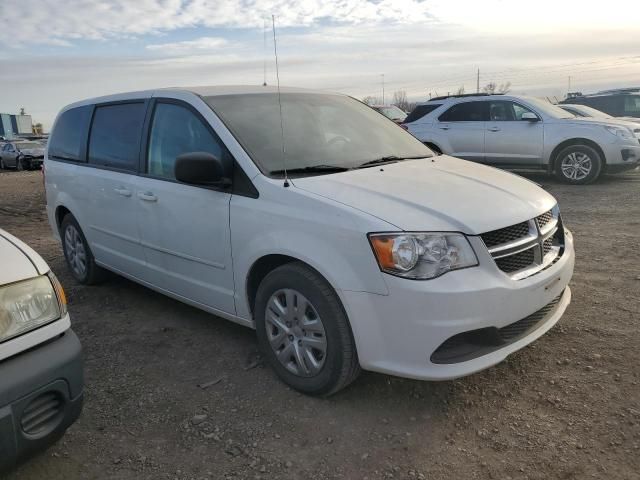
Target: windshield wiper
(387, 159)
(314, 169)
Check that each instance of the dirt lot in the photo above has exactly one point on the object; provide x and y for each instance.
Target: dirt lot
(567, 407)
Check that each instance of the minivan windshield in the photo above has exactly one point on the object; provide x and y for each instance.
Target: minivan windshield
(323, 133)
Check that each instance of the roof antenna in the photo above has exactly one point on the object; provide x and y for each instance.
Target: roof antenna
(275, 51)
(264, 62)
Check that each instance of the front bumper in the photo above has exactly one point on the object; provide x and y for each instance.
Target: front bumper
(41, 392)
(621, 156)
(398, 333)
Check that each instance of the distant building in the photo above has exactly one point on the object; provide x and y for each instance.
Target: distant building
(12, 126)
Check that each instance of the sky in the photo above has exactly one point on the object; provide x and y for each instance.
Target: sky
(67, 50)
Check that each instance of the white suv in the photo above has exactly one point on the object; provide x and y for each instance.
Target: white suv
(41, 366)
(518, 132)
(367, 251)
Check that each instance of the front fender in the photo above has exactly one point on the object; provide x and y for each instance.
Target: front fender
(330, 240)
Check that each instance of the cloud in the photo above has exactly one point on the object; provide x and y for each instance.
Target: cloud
(46, 22)
(179, 48)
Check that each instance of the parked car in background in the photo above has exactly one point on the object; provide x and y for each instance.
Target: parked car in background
(41, 366)
(622, 102)
(589, 112)
(22, 155)
(347, 246)
(392, 112)
(519, 132)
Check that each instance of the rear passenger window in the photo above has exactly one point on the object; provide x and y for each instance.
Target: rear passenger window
(115, 135)
(466, 112)
(420, 111)
(632, 106)
(176, 130)
(68, 136)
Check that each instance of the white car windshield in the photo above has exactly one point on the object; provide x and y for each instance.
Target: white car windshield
(322, 132)
(549, 109)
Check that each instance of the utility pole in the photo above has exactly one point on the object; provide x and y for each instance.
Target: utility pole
(478, 82)
(382, 75)
(569, 86)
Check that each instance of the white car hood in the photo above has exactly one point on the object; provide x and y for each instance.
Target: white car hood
(18, 260)
(439, 194)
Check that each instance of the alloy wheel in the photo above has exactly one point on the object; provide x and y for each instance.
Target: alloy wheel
(576, 166)
(76, 254)
(296, 333)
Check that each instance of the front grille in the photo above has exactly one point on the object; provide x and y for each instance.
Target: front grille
(475, 343)
(505, 235)
(544, 218)
(518, 261)
(43, 413)
(520, 250)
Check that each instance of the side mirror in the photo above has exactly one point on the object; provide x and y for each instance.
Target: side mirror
(200, 168)
(529, 117)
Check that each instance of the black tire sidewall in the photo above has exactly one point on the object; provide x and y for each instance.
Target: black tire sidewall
(329, 308)
(596, 160)
(91, 266)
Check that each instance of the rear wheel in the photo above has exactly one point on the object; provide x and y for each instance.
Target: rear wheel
(78, 254)
(2, 167)
(304, 332)
(578, 164)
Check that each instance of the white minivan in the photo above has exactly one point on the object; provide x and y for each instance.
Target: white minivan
(317, 221)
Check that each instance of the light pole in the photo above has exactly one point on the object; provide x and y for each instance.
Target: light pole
(382, 75)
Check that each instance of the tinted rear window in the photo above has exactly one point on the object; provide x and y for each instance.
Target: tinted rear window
(68, 135)
(420, 111)
(115, 135)
(466, 112)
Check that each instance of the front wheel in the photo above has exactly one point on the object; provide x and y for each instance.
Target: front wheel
(578, 164)
(304, 332)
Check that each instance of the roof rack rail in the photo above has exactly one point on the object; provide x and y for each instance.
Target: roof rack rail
(462, 95)
(620, 90)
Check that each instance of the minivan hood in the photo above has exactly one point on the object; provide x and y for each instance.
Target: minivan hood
(16, 265)
(435, 194)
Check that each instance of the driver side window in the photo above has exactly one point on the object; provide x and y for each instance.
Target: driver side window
(176, 130)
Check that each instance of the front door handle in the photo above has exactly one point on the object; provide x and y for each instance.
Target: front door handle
(147, 196)
(494, 129)
(445, 127)
(122, 191)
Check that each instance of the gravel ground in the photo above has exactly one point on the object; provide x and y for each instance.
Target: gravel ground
(567, 407)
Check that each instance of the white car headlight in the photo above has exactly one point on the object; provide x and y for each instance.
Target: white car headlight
(422, 256)
(29, 304)
(621, 132)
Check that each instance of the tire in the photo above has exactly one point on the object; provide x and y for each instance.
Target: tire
(77, 252)
(2, 167)
(337, 366)
(569, 160)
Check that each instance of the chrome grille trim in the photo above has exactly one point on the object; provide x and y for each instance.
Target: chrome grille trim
(544, 239)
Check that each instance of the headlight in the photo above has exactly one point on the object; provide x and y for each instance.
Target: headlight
(621, 132)
(422, 256)
(30, 304)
